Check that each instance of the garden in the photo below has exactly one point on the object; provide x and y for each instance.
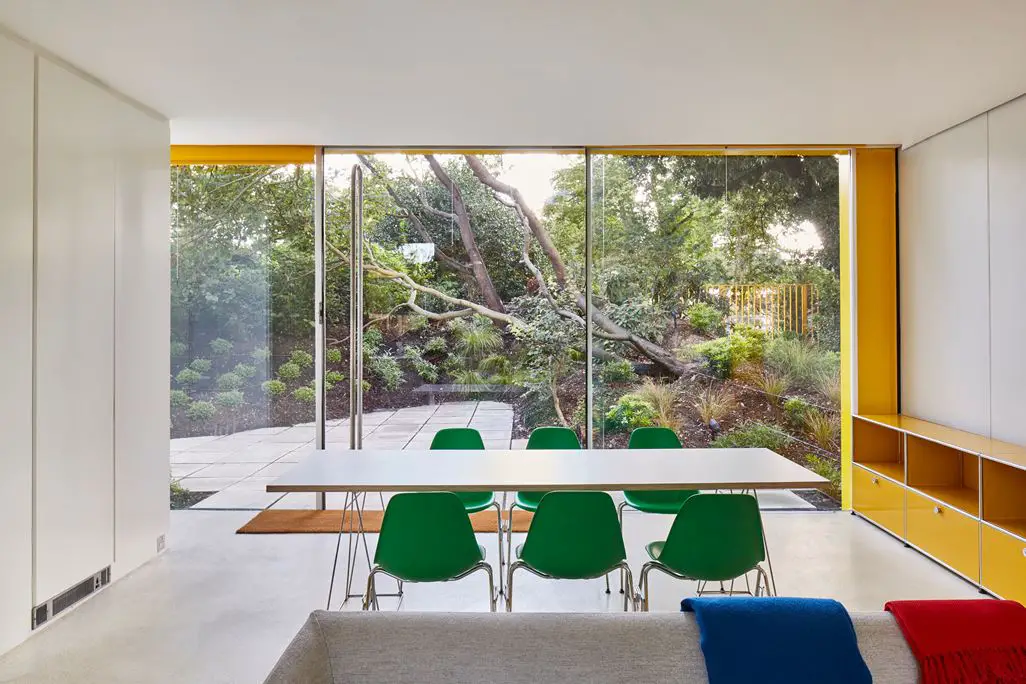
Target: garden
(475, 275)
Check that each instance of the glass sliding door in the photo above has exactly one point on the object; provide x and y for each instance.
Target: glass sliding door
(715, 289)
(473, 285)
(242, 282)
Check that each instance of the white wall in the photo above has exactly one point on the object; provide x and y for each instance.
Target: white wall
(962, 237)
(84, 298)
(1007, 154)
(16, 115)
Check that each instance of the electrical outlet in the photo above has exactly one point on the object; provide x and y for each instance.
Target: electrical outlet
(161, 543)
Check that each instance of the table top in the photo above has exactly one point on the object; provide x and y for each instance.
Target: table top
(379, 470)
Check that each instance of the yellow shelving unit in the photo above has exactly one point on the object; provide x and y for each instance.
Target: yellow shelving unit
(958, 497)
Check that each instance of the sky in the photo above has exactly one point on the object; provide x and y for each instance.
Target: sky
(531, 173)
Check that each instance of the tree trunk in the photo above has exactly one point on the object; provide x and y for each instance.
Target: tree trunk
(477, 265)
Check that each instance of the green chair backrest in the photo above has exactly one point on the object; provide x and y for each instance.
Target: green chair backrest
(654, 438)
(457, 438)
(426, 537)
(574, 535)
(715, 537)
(553, 438)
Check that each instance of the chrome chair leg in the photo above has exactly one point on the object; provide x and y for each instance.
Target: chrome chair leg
(498, 530)
(628, 597)
(619, 513)
(370, 598)
(509, 585)
(765, 547)
(493, 598)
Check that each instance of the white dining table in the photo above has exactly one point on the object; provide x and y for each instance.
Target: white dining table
(355, 473)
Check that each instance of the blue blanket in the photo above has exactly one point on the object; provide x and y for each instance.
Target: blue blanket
(777, 640)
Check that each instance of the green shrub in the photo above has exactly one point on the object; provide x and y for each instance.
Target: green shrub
(245, 370)
(795, 410)
(178, 349)
(388, 369)
(200, 410)
(180, 399)
(334, 377)
(305, 394)
(274, 388)
(373, 338)
(188, 377)
(230, 382)
(724, 354)
(825, 467)
(221, 347)
(416, 323)
(260, 355)
(629, 412)
(334, 355)
(613, 372)
(424, 368)
(704, 318)
(802, 362)
(200, 365)
(476, 338)
(230, 400)
(824, 428)
(301, 358)
(289, 370)
(435, 345)
(752, 434)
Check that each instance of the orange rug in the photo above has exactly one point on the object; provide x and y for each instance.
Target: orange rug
(286, 521)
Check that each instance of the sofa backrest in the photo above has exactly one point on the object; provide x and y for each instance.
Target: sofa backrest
(471, 648)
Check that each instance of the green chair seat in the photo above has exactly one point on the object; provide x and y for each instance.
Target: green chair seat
(714, 538)
(426, 537)
(668, 501)
(528, 501)
(573, 535)
(474, 502)
(654, 549)
(465, 439)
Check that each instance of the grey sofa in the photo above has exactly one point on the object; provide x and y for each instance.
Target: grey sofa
(533, 648)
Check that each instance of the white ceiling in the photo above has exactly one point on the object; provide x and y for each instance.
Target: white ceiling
(544, 72)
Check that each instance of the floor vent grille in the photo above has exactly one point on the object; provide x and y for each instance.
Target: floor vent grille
(58, 604)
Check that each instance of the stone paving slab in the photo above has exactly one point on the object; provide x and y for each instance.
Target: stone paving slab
(239, 466)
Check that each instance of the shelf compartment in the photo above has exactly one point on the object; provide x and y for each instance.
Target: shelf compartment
(946, 534)
(879, 448)
(1004, 496)
(1004, 564)
(944, 473)
(879, 499)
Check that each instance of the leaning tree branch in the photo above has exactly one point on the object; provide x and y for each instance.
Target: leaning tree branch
(604, 327)
(477, 265)
(533, 221)
(459, 267)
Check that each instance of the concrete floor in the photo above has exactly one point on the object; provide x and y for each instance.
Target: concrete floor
(219, 607)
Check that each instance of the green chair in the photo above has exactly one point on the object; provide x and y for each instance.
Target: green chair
(473, 502)
(573, 535)
(427, 537)
(541, 438)
(714, 538)
(666, 502)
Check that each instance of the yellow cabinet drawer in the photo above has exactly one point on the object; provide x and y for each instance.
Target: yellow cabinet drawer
(1004, 564)
(879, 499)
(946, 534)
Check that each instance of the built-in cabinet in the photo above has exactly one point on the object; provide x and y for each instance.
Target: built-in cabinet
(84, 300)
(956, 496)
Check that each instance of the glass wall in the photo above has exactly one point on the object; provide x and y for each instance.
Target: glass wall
(242, 279)
(473, 293)
(714, 299)
(716, 294)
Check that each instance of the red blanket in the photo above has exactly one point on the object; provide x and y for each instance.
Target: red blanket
(965, 642)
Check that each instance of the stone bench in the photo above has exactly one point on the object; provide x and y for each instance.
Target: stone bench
(433, 390)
